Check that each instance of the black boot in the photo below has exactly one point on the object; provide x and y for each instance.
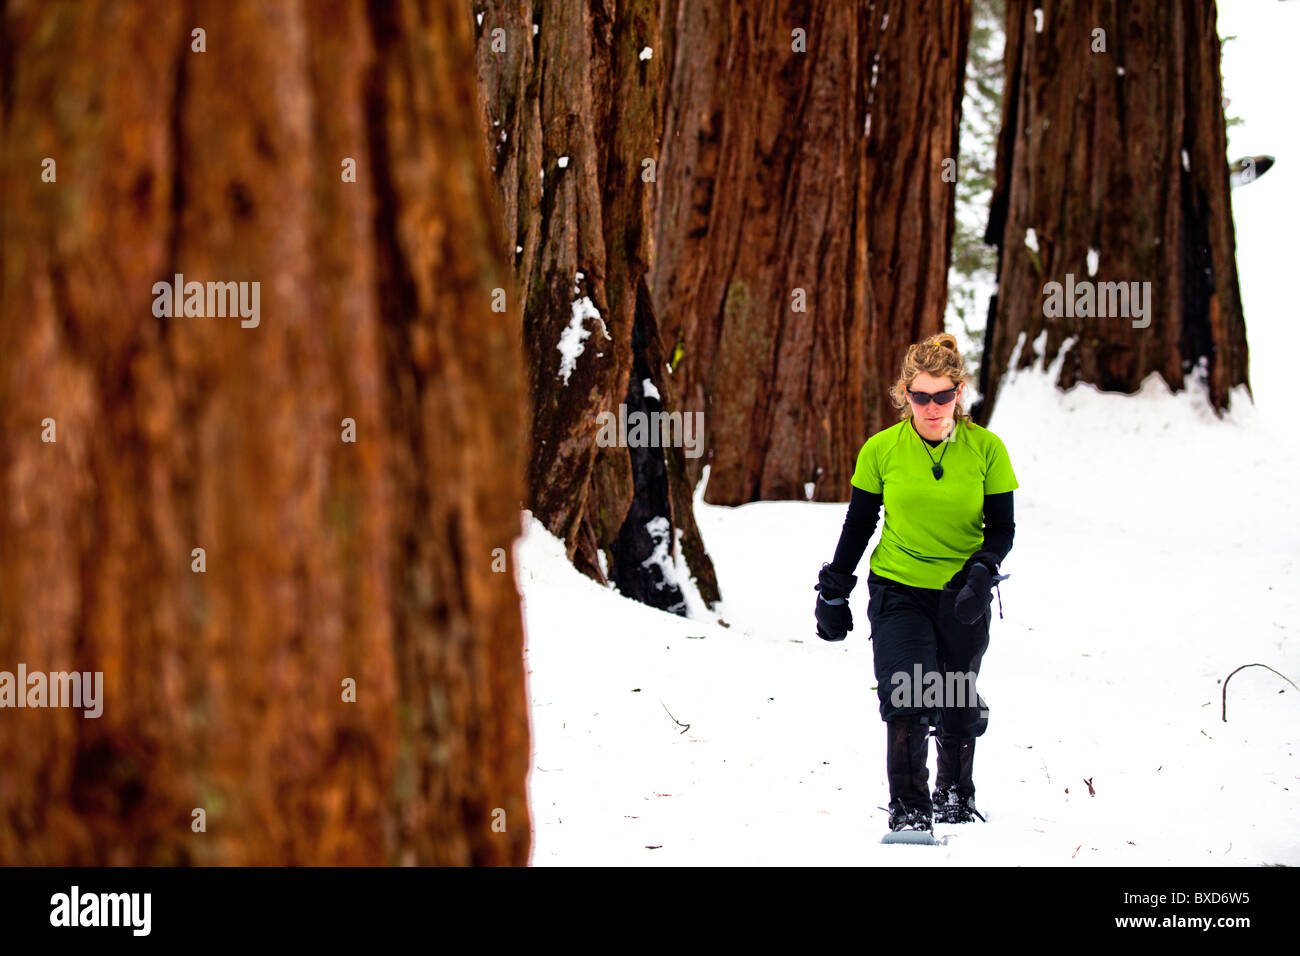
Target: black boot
(945, 776)
(954, 790)
(909, 777)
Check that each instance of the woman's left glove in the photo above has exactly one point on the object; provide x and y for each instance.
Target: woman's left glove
(834, 619)
(974, 586)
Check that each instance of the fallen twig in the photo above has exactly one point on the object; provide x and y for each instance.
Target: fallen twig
(1243, 667)
(675, 720)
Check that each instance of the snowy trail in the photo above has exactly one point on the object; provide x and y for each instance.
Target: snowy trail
(1156, 550)
(1119, 625)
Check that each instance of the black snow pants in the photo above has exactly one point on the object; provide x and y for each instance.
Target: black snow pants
(925, 659)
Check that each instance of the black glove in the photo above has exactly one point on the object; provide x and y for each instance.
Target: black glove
(974, 586)
(958, 580)
(834, 619)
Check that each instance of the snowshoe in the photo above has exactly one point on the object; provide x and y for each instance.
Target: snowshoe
(909, 824)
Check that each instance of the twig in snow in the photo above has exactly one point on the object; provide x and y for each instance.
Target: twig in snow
(675, 720)
(1243, 667)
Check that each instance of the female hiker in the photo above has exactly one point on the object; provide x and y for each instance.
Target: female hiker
(946, 486)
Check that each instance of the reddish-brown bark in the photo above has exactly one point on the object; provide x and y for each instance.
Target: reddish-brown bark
(1091, 156)
(772, 182)
(324, 560)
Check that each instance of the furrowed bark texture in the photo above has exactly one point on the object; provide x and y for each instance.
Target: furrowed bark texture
(1122, 152)
(572, 110)
(914, 102)
(803, 228)
(325, 560)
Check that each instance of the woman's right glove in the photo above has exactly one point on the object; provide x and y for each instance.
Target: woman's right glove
(834, 619)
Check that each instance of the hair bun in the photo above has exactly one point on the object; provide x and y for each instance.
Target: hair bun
(946, 339)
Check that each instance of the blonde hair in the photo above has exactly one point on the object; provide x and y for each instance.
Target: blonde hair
(938, 356)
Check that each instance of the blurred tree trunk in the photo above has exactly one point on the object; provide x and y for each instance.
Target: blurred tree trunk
(325, 560)
(1121, 152)
(572, 110)
(799, 248)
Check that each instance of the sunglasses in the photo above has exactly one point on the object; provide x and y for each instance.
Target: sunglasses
(939, 398)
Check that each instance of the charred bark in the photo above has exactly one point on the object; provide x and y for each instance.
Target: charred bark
(573, 112)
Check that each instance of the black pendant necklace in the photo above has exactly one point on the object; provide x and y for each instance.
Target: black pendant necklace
(936, 468)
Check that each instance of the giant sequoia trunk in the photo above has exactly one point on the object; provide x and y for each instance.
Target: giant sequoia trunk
(324, 560)
(914, 129)
(1121, 152)
(804, 225)
(571, 92)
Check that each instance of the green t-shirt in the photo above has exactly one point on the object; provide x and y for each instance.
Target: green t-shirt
(931, 527)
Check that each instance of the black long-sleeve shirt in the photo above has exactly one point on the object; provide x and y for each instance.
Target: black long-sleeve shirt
(864, 514)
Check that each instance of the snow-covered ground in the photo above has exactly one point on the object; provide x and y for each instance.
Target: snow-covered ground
(1156, 550)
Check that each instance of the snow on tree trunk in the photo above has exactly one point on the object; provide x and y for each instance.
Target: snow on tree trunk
(571, 94)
